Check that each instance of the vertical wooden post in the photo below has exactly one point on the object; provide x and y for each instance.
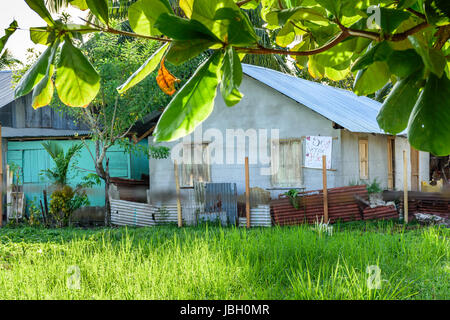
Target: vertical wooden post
(325, 189)
(177, 185)
(1, 177)
(247, 192)
(405, 187)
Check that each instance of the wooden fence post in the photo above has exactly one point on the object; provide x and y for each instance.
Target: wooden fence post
(247, 192)
(405, 187)
(325, 189)
(177, 185)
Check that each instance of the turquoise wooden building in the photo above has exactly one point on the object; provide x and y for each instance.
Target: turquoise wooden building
(33, 159)
(23, 131)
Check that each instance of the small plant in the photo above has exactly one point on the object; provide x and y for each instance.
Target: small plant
(323, 228)
(64, 202)
(17, 176)
(294, 198)
(374, 187)
(59, 174)
(35, 216)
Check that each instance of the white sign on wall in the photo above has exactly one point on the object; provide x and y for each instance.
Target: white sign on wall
(316, 147)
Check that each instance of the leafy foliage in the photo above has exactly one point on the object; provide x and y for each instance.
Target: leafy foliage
(64, 202)
(374, 41)
(59, 175)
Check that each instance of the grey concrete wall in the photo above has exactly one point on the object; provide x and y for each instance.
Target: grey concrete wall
(377, 158)
(401, 144)
(264, 108)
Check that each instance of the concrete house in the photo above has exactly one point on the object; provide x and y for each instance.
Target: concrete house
(279, 113)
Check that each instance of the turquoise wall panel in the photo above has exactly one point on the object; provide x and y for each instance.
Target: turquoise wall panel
(33, 158)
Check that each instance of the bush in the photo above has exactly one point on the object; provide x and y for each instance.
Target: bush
(64, 202)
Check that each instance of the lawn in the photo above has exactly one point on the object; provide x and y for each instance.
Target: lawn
(209, 262)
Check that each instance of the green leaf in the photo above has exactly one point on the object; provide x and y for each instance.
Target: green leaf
(205, 12)
(77, 82)
(43, 92)
(178, 28)
(405, 62)
(429, 124)
(192, 104)
(182, 51)
(39, 7)
(250, 5)
(99, 8)
(432, 58)
(403, 4)
(8, 33)
(143, 15)
(35, 74)
(80, 4)
(392, 18)
(379, 52)
(370, 80)
(240, 29)
(394, 114)
(42, 35)
(281, 17)
(231, 78)
(437, 12)
(148, 67)
(338, 55)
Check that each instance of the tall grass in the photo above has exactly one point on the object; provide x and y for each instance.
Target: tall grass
(225, 263)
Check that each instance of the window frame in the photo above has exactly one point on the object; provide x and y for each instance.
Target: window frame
(207, 164)
(274, 176)
(366, 174)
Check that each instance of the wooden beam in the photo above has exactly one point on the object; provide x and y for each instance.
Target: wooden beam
(145, 135)
(177, 185)
(325, 189)
(405, 187)
(247, 192)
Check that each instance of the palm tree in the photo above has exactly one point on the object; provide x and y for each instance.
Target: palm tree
(59, 174)
(7, 61)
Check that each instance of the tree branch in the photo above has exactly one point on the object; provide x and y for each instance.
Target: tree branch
(342, 36)
(125, 33)
(241, 3)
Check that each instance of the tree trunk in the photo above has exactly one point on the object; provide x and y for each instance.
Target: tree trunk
(107, 201)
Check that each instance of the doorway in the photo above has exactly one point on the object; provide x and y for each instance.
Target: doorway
(391, 162)
(414, 169)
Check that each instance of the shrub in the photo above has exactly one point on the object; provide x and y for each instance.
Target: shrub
(64, 202)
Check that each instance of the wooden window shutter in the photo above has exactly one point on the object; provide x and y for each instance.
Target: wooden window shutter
(364, 159)
(195, 166)
(288, 163)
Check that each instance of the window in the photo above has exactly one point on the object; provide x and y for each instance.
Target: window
(287, 163)
(195, 166)
(364, 159)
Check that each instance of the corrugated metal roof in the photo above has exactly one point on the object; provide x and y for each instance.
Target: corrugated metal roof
(355, 113)
(6, 90)
(8, 132)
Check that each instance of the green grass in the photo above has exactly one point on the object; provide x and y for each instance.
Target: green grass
(225, 263)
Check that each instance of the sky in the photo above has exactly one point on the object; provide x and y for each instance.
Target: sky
(20, 41)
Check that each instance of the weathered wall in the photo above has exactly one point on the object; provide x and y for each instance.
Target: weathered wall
(424, 163)
(32, 158)
(377, 158)
(261, 108)
(264, 108)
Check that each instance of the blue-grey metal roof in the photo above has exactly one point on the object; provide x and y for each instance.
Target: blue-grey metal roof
(355, 113)
(6, 90)
(9, 133)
